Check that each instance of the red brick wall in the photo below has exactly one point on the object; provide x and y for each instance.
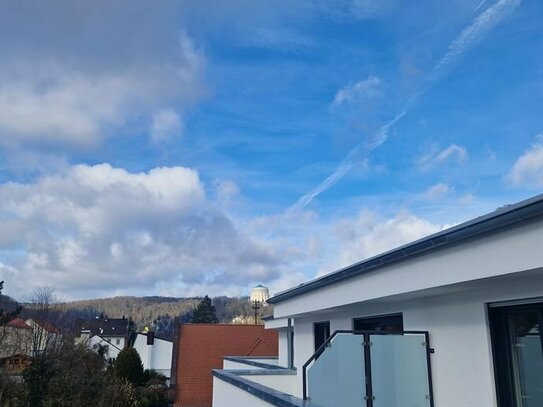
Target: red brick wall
(201, 347)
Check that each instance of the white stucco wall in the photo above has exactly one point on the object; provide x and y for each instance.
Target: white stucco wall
(283, 347)
(462, 370)
(226, 395)
(113, 350)
(156, 357)
(118, 341)
(284, 383)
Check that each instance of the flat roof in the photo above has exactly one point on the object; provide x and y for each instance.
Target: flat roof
(503, 217)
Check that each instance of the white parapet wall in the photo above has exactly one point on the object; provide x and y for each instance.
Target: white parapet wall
(283, 383)
(227, 395)
(256, 381)
(256, 388)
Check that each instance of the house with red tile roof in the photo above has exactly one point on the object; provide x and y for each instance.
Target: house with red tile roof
(200, 348)
(15, 338)
(27, 337)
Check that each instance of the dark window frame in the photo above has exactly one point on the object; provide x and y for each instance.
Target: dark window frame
(373, 320)
(501, 339)
(319, 341)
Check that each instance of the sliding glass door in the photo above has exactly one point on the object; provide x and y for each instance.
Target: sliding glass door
(517, 343)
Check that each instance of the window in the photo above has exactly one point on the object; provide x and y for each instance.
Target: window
(117, 341)
(387, 323)
(517, 345)
(321, 331)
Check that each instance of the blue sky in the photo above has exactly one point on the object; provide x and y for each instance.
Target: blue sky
(202, 147)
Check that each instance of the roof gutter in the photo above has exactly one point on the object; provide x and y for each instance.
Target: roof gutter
(504, 217)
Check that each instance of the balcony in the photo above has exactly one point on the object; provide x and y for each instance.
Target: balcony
(352, 368)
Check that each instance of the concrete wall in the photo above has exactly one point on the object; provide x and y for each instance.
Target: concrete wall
(462, 369)
(227, 395)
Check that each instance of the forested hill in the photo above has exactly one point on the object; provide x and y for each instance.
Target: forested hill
(158, 313)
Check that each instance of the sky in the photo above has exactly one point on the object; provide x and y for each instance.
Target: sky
(193, 147)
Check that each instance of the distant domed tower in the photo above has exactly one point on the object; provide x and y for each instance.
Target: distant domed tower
(260, 294)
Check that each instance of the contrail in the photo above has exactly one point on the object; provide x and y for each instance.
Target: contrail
(479, 5)
(481, 25)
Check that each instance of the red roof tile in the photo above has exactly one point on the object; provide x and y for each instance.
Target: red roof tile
(18, 323)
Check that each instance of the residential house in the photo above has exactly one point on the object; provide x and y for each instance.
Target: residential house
(453, 319)
(15, 364)
(15, 338)
(107, 332)
(155, 352)
(27, 337)
(199, 348)
(45, 335)
(97, 343)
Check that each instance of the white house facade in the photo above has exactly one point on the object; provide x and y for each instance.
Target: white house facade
(96, 342)
(450, 320)
(111, 333)
(155, 352)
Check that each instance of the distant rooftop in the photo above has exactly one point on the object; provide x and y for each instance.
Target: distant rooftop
(18, 323)
(104, 326)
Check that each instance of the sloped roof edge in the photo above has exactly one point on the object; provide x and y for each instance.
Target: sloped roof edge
(506, 216)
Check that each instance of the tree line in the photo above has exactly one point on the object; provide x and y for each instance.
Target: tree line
(62, 373)
(160, 314)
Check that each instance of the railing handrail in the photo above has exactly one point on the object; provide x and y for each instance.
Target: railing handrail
(327, 342)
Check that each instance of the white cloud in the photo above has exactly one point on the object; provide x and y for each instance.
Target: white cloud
(472, 34)
(166, 125)
(226, 191)
(436, 192)
(369, 234)
(361, 91)
(97, 231)
(453, 153)
(70, 80)
(528, 169)
(100, 230)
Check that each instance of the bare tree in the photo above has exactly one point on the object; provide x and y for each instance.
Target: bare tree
(46, 314)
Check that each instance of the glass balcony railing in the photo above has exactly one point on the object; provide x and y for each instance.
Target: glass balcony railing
(371, 369)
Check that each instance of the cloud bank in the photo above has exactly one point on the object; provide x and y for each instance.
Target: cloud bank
(528, 168)
(90, 68)
(103, 229)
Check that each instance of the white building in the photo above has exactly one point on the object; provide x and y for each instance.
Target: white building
(155, 352)
(260, 294)
(104, 331)
(451, 320)
(96, 341)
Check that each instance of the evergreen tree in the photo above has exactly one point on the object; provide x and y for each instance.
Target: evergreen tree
(128, 366)
(6, 316)
(204, 313)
